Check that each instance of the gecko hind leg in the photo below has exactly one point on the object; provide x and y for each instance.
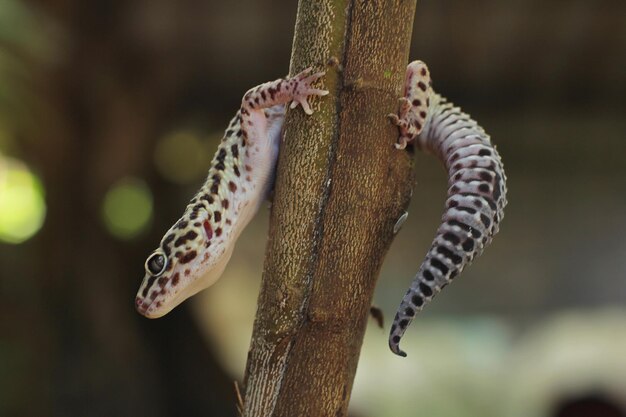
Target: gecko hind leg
(413, 110)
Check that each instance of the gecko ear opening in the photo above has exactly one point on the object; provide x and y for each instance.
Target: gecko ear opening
(156, 263)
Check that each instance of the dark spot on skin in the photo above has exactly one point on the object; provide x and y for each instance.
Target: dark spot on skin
(218, 232)
(456, 259)
(484, 152)
(232, 187)
(423, 72)
(168, 239)
(409, 312)
(417, 301)
(154, 295)
(428, 276)
(454, 157)
(148, 285)
(417, 103)
(162, 281)
(393, 328)
(458, 166)
(458, 176)
(484, 188)
(478, 203)
(396, 339)
(166, 244)
(425, 289)
(454, 189)
(496, 187)
(188, 257)
(468, 245)
(439, 265)
(454, 273)
(248, 168)
(228, 221)
(175, 279)
(191, 235)
(217, 216)
(208, 229)
(220, 166)
(476, 233)
(421, 86)
(225, 204)
(403, 323)
(469, 210)
(214, 189)
(423, 114)
(485, 176)
(236, 169)
(181, 224)
(452, 238)
(486, 221)
(235, 150)
(207, 198)
(221, 155)
(187, 272)
(459, 224)
(453, 203)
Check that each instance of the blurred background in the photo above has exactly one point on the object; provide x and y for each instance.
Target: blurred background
(110, 112)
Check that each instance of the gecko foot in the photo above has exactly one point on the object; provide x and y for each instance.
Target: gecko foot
(413, 110)
(408, 130)
(303, 89)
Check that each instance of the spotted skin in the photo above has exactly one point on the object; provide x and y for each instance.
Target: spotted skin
(195, 250)
(476, 190)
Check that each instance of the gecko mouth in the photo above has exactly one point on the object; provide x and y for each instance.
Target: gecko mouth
(143, 305)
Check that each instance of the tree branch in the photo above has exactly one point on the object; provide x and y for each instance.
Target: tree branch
(340, 188)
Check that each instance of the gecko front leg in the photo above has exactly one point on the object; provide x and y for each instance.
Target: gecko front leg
(195, 250)
(476, 193)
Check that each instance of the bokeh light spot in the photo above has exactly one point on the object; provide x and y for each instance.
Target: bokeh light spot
(22, 205)
(127, 208)
(181, 157)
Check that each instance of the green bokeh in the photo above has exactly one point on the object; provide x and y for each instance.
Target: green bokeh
(181, 157)
(22, 205)
(127, 208)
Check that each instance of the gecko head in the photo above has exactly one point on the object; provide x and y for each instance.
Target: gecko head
(189, 259)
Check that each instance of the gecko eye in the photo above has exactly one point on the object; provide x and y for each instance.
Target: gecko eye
(155, 264)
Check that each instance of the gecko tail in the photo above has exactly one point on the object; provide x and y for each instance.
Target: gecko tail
(473, 209)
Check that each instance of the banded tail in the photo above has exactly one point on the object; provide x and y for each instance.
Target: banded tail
(476, 190)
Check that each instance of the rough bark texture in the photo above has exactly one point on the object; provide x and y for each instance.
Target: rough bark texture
(341, 187)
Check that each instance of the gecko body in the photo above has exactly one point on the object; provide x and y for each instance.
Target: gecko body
(195, 250)
(476, 190)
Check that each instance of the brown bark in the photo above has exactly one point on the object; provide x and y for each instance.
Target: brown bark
(341, 187)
